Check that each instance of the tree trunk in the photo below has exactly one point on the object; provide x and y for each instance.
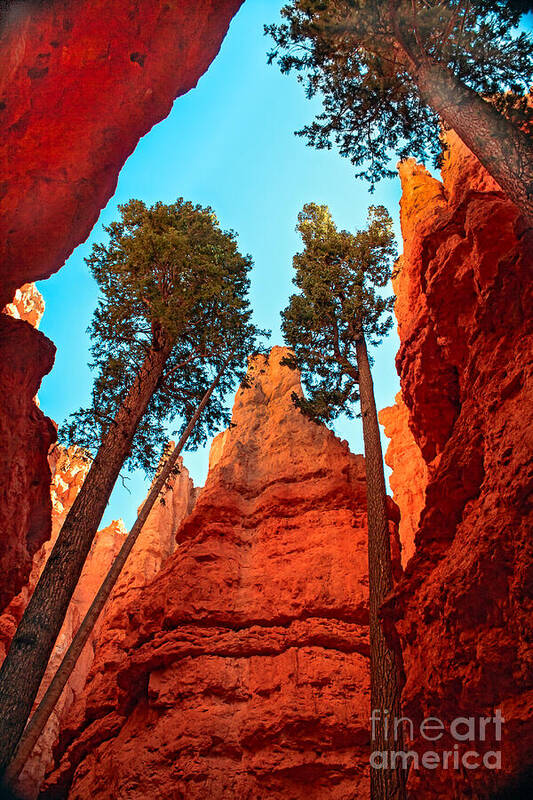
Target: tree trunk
(40, 717)
(385, 663)
(26, 661)
(505, 151)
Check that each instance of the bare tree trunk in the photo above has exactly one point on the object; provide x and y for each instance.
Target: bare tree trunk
(25, 663)
(46, 706)
(505, 151)
(385, 663)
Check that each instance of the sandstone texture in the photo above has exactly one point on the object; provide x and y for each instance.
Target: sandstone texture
(26, 355)
(27, 304)
(409, 472)
(80, 83)
(156, 541)
(242, 669)
(464, 607)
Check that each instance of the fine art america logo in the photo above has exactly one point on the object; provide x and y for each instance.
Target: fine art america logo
(466, 736)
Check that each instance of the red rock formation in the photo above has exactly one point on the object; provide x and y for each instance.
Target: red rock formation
(243, 666)
(25, 435)
(156, 542)
(409, 472)
(80, 83)
(464, 607)
(69, 468)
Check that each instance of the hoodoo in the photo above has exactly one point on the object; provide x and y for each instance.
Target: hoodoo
(243, 666)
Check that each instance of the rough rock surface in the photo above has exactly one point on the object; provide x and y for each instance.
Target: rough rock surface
(105, 546)
(409, 472)
(465, 605)
(27, 304)
(26, 355)
(80, 83)
(243, 667)
(69, 468)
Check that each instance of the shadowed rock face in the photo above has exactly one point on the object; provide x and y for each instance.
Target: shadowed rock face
(25, 438)
(464, 607)
(80, 83)
(242, 669)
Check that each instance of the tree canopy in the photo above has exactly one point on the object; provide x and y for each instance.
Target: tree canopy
(361, 57)
(167, 274)
(340, 276)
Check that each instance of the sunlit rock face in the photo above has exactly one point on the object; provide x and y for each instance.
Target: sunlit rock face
(409, 472)
(464, 607)
(243, 666)
(27, 304)
(26, 355)
(80, 83)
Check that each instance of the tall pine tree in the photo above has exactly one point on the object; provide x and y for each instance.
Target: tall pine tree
(327, 324)
(173, 310)
(389, 70)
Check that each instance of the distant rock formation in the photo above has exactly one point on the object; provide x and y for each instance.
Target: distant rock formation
(242, 668)
(409, 472)
(156, 542)
(27, 305)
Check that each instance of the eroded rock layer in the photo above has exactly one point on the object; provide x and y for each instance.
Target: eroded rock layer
(464, 607)
(26, 355)
(243, 666)
(69, 468)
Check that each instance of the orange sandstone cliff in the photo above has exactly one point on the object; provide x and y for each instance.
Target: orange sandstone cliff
(69, 468)
(242, 668)
(464, 608)
(80, 83)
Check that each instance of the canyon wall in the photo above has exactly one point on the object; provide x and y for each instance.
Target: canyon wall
(409, 476)
(80, 82)
(242, 668)
(464, 608)
(25, 438)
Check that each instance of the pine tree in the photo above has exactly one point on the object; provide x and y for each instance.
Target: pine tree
(173, 309)
(389, 70)
(167, 467)
(338, 308)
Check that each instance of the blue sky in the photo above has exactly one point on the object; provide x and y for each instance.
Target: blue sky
(229, 144)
